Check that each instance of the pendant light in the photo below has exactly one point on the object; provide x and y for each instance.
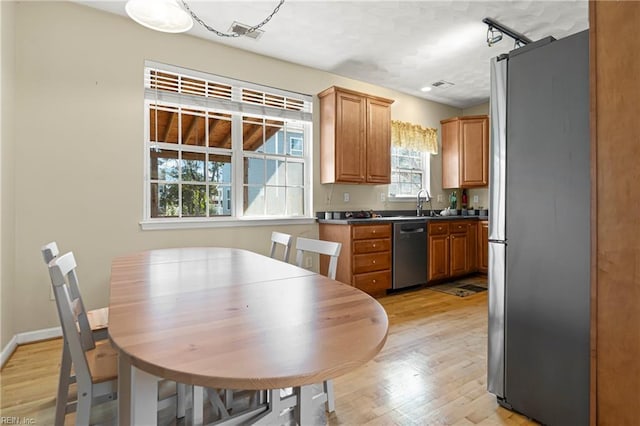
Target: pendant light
(161, 15)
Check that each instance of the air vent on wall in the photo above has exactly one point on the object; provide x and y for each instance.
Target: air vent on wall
(441, 84)
(242, 29)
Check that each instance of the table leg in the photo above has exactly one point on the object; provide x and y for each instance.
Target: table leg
(144, 398)
(304, 408)
(198, 406)
(124, 389)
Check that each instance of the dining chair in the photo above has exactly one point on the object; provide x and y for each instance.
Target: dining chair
(332, 249)
(328, 248)
(95, 362)
(279, 238)
(98, 318)
(93, 328)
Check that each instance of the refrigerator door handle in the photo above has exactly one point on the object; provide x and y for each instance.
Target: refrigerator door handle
(496, 334)
(498, 166)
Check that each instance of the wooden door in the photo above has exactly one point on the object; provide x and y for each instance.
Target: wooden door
(474, 150)
(438, 265)
(450, 154)
(378, 158)
(459, 254)
(483, 247)
(350, 155)
(615, 248)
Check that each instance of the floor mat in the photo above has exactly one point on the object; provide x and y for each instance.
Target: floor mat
(462, 288)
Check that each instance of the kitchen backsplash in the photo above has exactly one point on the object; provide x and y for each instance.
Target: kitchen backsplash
(331, 197)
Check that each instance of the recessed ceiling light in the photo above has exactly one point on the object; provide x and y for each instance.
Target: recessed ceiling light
(426, 89)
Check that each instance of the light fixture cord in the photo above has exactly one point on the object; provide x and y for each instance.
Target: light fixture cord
(220, 33)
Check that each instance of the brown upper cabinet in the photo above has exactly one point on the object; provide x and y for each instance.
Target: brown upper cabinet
(465, 151)
(355, 137)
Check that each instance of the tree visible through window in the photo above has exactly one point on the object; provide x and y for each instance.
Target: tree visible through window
(409, 172)
(207, 159)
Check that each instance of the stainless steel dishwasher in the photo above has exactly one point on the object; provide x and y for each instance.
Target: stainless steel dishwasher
(409, 254)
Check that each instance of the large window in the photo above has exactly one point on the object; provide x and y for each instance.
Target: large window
(409, 172)
(219, 149)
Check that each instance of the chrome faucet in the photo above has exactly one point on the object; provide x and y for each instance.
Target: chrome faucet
(420, 199)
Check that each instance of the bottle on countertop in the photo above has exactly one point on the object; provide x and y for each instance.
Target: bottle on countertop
(464, 199)
(453, 201)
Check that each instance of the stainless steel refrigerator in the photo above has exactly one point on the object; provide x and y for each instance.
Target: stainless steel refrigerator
(539, 231)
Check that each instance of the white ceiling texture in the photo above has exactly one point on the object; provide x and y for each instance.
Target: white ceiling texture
(401, 45)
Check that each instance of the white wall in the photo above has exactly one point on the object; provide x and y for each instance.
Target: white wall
(78, 153)
(7, 200)
(481, 109)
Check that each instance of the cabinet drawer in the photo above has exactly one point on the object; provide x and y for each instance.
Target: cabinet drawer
(371, 262)
(458, 227)
(374, 283)
(371, 246)
(438, 228)
(364, 232)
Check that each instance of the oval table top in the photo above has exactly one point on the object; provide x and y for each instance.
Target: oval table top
(234, 319)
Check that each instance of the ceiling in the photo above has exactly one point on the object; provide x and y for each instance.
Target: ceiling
(401, 45)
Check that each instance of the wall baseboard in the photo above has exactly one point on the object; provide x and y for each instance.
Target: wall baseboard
(8, 350)
(28, 337)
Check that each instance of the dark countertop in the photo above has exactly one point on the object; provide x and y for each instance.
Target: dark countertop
(394, 219)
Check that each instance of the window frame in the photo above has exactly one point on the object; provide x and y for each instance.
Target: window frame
(426, 177)
(237, 154)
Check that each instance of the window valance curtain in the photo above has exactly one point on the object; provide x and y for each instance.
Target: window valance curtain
(414, 136)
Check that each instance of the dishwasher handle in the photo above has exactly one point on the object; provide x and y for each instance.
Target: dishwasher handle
(404, 230)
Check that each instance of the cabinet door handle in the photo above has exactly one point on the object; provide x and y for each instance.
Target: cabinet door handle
(374, 231)
(373, 281)
(374, 262)
(374, 246)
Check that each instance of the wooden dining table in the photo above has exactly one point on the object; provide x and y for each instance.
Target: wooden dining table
(227, 318)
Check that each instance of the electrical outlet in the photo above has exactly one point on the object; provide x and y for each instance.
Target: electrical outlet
(346, 197)
(439, 198)
(308, 262)
(382, 197)
(475, 198)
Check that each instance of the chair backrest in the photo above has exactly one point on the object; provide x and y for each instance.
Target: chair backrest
(280, 238)
(49, 251)
(62, 271)
(328, 248)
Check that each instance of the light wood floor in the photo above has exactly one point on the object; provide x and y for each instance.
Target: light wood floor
(432, 371)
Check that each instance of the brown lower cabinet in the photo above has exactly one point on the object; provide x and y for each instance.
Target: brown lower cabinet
(452, 248)
(455, 248)
(365, 257)
(483, 246)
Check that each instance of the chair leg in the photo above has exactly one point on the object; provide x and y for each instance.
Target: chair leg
(328, 389)
(83, 411)
(181, 394)
(228, 398)
(63, 385)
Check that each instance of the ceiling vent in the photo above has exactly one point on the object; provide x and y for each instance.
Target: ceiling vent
(441, 84)
(242, 29)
